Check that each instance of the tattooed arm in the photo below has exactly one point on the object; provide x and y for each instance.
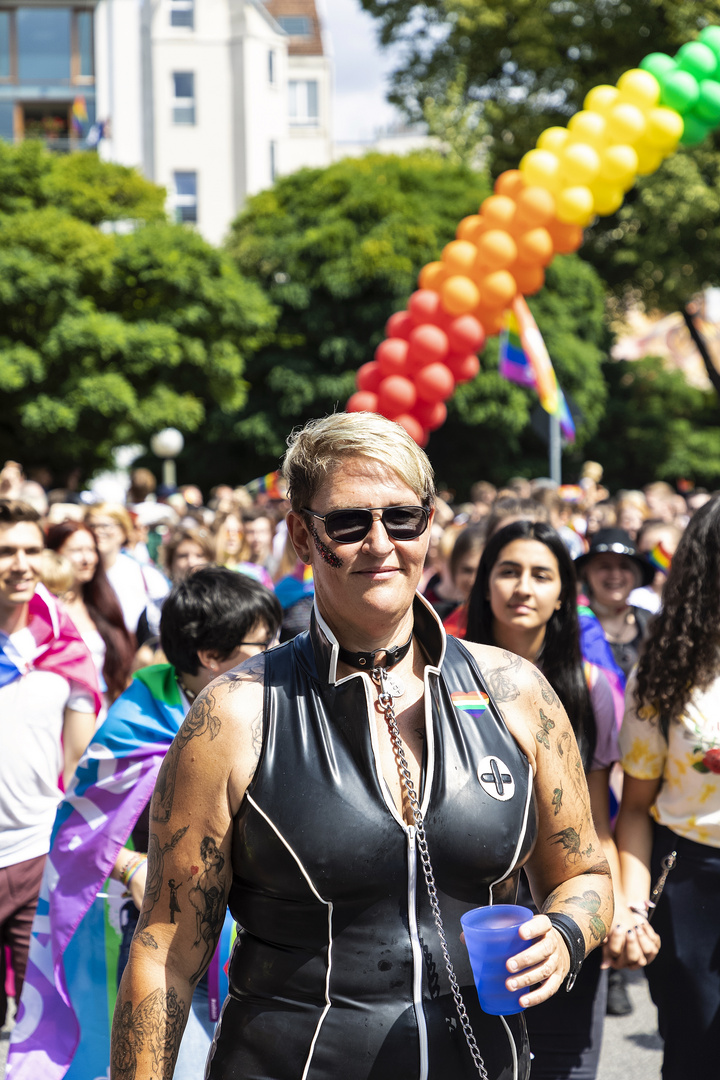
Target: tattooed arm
(568, 871)
(189, 871)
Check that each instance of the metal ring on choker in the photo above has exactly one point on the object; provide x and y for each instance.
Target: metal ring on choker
(366, 660)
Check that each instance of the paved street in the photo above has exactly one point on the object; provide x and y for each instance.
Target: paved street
(631, 1047)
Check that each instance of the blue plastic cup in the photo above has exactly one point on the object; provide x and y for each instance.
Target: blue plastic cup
(491, 937)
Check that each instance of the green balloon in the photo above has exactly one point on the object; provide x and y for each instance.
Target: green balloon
(695, 130)
(708, 104)
(679, 90)
(658, 64)
(710, 36)
(698, 59)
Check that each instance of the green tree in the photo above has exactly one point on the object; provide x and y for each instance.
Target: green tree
(656, 427)
(105, 338)
(338, 250)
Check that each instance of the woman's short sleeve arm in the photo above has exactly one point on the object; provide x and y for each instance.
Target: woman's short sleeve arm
(642, 744)
(607, 751)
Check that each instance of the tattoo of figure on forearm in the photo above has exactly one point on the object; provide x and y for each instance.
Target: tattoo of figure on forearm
(209, 897)
(154, 883)
(202, 718)
(567, 748)
(569, 839)
(156, 1026)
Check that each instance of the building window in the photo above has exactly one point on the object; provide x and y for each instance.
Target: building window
(182, 13)
(273, 161)
(296, 25)
(271, 66)
(304, 101)
(185, 196)
(184, 99)
(44, 44)
(4, 44)
(85, 44)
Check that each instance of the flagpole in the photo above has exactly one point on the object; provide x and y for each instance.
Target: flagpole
(555, 449)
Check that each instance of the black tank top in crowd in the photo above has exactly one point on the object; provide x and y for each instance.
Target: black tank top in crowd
(337, 972)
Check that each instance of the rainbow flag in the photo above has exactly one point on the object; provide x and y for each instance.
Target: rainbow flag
(65, 1012)
(473, 703)
(267, 485)
(79, 114)
(524, 360)
(660, 558)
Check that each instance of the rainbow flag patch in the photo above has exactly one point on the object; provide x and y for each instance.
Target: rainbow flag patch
(473, 703)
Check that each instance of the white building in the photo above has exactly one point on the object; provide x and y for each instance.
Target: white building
(211, 98)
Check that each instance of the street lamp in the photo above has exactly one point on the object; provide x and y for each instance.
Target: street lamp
(167, 444)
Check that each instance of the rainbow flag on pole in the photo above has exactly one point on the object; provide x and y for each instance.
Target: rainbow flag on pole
(79, 114)
(524, 360)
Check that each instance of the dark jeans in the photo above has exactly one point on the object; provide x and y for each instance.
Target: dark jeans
(684, 978)
(19, 891)
(566, 1031)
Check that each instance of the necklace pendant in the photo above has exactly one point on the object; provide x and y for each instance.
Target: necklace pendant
(395, 685)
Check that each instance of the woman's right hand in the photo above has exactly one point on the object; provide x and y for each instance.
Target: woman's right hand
(632, 942)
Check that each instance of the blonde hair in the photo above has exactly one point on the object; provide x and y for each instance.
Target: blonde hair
(56, 572)
(315, 450)
(114, 511)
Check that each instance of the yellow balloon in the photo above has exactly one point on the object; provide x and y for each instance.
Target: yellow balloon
(626, 123)
(649, 158)
(607, 198)
(553, 139)
(588, 127)
(618, 165)
(639, 88)
(664, 129)
(580, 163)
(541, 168)
(601, 99)
(575, 205)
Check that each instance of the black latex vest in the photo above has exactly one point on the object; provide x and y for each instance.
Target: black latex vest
(337, 973)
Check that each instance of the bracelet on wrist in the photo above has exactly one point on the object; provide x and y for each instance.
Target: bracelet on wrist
(641, 908)
(574, 939)
(130, 867)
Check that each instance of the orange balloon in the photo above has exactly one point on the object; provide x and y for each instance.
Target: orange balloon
(496, 250)
(565, 238)
(459, 256)
(459, 295)
(498, 288)
(529, 279)
(432, 276)
(535, 206)
(535, 247)
(509, 183)
(467, 228)
(498, 211)
(492, 319)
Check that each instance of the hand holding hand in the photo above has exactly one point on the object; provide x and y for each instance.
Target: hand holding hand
(632, 943)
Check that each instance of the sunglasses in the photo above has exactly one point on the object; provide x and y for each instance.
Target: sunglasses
(352, 526)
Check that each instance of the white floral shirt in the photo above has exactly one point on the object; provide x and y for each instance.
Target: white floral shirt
(688, 801)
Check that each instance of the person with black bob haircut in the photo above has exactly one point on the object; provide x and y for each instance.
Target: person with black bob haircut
(218, 611)
(524, 600)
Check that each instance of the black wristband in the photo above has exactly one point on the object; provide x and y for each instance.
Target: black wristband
(572, 935)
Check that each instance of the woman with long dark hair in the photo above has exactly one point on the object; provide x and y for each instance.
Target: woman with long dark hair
(524, 601)
(93, 606)
(669, 821)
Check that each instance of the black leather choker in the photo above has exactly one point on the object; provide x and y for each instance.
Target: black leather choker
(366, 660)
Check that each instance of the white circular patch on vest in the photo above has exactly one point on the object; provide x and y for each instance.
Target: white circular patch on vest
(496, 779)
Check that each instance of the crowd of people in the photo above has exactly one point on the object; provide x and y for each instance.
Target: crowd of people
(111, 614)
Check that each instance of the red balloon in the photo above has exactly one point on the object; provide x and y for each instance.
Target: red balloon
(431, 415)
(396, 395)
(435, 382)
(391, 356)
(413, 427)
(369, 377)
(428, 344)
(424, 306)
(464, 368)
(465, 335)
(399, 325)
(363, 401)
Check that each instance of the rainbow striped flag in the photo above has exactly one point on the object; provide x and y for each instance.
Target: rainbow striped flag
(267, 485)
(524, 360)
(79, 114)
(660, 558)
(473, 703)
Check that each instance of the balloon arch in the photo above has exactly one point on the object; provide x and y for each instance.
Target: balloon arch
(536, 212)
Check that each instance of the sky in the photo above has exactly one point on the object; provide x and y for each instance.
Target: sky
(361, 71)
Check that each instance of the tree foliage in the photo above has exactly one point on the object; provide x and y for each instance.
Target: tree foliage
(106, 338)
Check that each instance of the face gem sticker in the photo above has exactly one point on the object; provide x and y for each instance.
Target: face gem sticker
(496, 779)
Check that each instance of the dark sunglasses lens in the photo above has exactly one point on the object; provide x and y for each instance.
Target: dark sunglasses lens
(405, 522)
(348, 526)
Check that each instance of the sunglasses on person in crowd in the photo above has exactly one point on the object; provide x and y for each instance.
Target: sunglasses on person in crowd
(352, 526)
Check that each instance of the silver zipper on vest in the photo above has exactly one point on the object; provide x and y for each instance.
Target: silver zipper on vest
(417, 952)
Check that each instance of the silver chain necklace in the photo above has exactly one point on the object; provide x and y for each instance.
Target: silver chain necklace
(385, 701)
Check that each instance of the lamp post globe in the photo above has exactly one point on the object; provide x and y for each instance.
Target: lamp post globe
(167, 444)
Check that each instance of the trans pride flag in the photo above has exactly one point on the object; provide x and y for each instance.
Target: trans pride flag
(66, 1007)
(524, 360)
